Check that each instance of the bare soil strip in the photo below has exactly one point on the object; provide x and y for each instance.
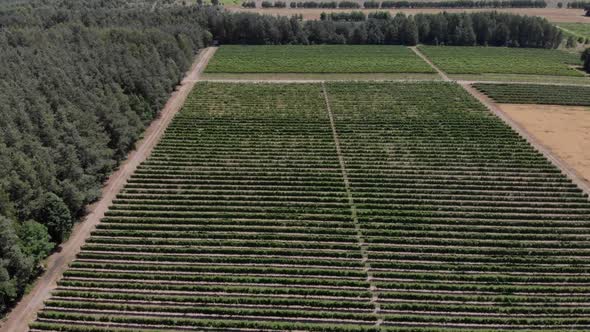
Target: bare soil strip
(570, 172)
(359, 234)
(24, 313)
(563, 129)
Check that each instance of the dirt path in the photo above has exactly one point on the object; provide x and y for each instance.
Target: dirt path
(357, 225)
(423, 57)
(24, 313)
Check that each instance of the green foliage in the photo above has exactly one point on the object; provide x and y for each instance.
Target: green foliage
(483, 28)
(16, 267)
(316, 59)
(241, 219)
(54, 214)
(577, 29)
(35, 240)
(80, 81)
(571, 42)
(537, 94)
(586, 60)
(479, 60)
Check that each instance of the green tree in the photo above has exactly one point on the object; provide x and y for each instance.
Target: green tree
(15, 266)
(571, 42)
(34, 240)
(55, 215)
(586, 59)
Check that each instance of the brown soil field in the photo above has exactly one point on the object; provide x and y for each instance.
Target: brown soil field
(565, 130)
(552, 14)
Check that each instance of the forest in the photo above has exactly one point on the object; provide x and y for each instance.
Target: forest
(83, 78)
(401, 4)
(483, 28)
(80, 81)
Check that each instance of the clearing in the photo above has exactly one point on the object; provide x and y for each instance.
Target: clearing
(565, 130)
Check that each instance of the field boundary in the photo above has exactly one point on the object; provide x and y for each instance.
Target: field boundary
(19, 318)
(357, 227)
(442, 74)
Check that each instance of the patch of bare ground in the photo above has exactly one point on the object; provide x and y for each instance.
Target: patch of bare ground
(565, 130)
(552, 14)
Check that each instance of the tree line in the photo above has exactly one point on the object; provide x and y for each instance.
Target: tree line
(465, 29)
(401, 4)
(80, 81)
(82, 78)
(578, 4)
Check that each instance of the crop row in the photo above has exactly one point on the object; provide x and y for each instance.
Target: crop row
(536, 94)
(423, 213)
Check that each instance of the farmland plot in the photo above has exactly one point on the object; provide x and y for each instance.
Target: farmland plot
(467, 226)
(317, 59)
(577, 29)
(243, 219)
(502, 60)
(536, 94)
(239, 219)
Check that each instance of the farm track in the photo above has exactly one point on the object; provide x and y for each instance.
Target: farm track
(21, 316)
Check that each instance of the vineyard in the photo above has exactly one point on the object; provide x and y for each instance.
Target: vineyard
(360, 207)
(502, 60)
(578, 29)
(317, 59)
(537, 94)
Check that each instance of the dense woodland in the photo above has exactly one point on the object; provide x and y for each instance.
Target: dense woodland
(80, 81)
(388, 4)
(82, 78)
(485, 28)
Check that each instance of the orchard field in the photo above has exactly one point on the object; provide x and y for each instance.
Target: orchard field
(577, 29)
(536, 94)
(317, 59)
(502, 60)
(361, 207)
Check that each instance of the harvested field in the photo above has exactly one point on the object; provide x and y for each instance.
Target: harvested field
(552, 14)
(563, 129)
(361, 207)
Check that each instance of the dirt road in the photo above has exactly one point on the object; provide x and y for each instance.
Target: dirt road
(24, 313)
